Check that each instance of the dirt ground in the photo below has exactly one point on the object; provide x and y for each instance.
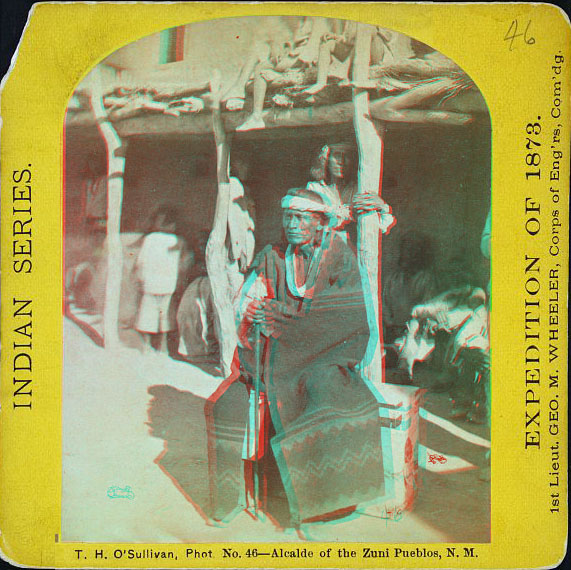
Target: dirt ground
(107, 443)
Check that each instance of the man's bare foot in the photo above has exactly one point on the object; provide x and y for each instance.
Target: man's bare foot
(251, 124)
(186, 105)
(314, 89)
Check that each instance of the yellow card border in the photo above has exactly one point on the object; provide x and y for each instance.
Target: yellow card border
(63, 42)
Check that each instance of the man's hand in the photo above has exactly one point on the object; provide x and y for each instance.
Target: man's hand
(255, 312)
(271, 75)
(261, 313)
(270, 314)
(213, 97)
(363, 203)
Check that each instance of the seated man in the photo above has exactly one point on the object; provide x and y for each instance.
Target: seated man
(275, 56)
(302, 313)
(386, 46)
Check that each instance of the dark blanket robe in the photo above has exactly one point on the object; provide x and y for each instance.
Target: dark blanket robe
(324, 419)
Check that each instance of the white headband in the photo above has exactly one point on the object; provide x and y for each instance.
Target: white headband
(304, 204)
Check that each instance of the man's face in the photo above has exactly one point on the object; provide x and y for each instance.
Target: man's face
(337, 164)
(301, 227)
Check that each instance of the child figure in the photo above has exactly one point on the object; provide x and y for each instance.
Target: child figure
(335, 180)
(158, 266)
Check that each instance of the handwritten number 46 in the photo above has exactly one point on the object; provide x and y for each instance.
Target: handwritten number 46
(512, 34)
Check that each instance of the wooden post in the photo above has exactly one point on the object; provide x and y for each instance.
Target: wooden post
(370, 146)
(225, 278)
(115, 170)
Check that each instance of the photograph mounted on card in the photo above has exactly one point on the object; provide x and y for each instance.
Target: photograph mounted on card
(292, 270)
